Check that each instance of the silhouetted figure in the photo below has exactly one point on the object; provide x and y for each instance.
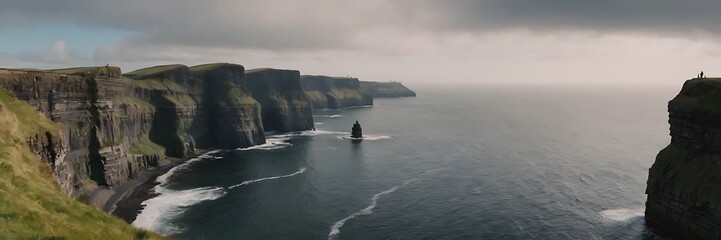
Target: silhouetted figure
(701, 74)
(356, 131)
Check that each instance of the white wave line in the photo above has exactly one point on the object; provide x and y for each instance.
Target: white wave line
(335, 229)
(268, 178)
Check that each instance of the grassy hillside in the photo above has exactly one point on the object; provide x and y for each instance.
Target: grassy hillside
(31, 204)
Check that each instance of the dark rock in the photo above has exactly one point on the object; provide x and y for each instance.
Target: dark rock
(334, 92)
(684, 183)
(111, 127)
(285, 107)
(386, 89)
(357, 131)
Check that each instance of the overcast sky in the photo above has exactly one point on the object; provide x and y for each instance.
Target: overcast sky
(413, 41)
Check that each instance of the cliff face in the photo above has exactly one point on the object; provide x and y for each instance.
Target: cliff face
(285, 107)
(98, 121)
(110, 127)
(386, 89)
(333, 92)
(31, 147)
(200, 107)
(684, 184)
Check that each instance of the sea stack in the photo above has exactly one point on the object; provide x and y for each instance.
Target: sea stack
(357, 131)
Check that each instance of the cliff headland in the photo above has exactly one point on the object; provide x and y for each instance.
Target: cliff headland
(684, 184)
(102, 137)
(386, 89)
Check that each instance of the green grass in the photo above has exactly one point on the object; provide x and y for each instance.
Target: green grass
(386, 89)
(84, 70)
(346, 93)
(137, 102)
(146, 72)
(160, 84)
(700, 96)
(255, 70)
(209, 67)
(144, 146)
(31, 204)
(689, 173)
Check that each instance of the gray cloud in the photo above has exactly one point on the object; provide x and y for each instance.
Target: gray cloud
(665, 16)
(329, 24)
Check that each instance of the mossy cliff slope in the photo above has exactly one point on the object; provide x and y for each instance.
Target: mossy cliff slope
(31, 204)
(99, 121)
(386, 89)
(204, 106)
(111, 127)
(684, 184)
(334, 92)
(285, 106)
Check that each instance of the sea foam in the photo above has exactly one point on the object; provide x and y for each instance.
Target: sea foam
(268, 178)
(335, 229)
(622, 214)
(170, 203)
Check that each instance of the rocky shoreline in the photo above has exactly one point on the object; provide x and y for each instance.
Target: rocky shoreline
(124, 201)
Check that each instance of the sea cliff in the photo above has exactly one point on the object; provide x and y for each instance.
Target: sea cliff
(684, 183)
(285, 107)
(34, 155)
(386, 89)
(101, 136)
(334, 92)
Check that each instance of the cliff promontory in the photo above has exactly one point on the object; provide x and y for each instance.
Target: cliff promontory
(684, 184)
(334, 92)
(386, 89)
(101, 136)
(285, 107)
(31, 204)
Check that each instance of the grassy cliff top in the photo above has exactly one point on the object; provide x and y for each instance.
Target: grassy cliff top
(260, 70)
(149, 71)
(82, 71)
(386, 89)
(85, 70)
(31, 204)
(700, 95)
(212, 66)
(160, 84)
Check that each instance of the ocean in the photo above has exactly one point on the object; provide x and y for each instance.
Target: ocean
(476, 162)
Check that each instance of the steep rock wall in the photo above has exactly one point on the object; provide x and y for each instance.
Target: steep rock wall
(286, 108)
(684, 184)
(31, 204)
(334, 92)
(386, 89)
(200, 107)
(98, 122)
(111, 127)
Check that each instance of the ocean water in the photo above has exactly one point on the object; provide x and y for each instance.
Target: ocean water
(490, 162)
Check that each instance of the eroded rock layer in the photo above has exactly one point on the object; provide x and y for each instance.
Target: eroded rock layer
(285, 106)
(334, 92)
(112, 126)
(386, 89)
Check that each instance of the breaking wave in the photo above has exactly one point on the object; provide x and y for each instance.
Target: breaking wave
(268, 178)
(169, 203)
(328, 116)
(368, 137)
